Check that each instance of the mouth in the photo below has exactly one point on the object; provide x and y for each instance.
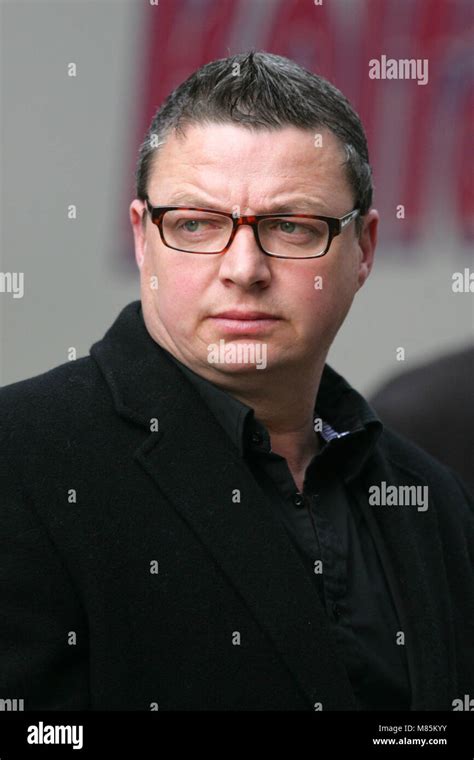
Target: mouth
(245, 322)
(244, 315)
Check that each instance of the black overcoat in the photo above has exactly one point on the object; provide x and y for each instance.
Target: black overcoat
(131, 578)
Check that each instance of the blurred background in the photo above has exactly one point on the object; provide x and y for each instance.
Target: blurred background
(74, 140)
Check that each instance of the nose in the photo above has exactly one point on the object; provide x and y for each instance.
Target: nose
(244, 263)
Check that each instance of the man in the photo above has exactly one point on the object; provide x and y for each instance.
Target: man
(203, 515)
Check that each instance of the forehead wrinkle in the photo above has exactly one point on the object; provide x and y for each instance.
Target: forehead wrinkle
(198, 191)
(311, 203)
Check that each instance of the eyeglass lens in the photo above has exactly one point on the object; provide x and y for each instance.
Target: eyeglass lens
(207, 232)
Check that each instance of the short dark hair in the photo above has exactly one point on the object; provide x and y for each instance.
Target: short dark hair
(261, 91)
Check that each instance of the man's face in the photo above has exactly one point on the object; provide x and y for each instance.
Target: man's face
(222, 167)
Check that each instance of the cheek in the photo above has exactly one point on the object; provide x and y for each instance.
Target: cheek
(323, 293)
(313, 289)
(180, 288)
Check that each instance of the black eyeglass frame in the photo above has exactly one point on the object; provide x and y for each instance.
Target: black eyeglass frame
(335, 225)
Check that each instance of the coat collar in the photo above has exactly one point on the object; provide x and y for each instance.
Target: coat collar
(142, 374)
(141, 377)
(198, 468)
(349, 412)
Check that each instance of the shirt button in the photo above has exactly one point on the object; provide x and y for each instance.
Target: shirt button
(336, 611)
(257, 438)
(298, 499)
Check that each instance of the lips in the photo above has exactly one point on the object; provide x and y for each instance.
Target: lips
(244, 316)
(242, 323)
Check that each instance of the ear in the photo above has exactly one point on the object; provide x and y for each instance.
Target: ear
(136, 212)
(366, 244)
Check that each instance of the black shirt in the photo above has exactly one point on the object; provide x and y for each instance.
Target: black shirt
(328, 530)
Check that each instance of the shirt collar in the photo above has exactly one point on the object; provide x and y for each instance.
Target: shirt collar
(348, 425)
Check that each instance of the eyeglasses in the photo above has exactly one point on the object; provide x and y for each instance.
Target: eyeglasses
(286, 236)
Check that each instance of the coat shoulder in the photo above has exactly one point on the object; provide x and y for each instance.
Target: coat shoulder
(408, 459)
(58, 398)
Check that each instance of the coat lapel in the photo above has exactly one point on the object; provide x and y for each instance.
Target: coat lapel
(196, 466)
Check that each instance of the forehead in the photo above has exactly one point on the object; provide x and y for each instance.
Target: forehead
(234, 165)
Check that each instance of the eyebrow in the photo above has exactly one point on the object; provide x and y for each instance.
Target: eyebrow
(300, 203)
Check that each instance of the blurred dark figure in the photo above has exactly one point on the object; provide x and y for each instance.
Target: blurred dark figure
(433, 406)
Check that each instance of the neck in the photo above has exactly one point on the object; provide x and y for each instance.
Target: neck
(286, 409)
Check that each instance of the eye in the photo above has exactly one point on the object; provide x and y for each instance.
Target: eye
(311, 228)
(288, 226)
(190, 225)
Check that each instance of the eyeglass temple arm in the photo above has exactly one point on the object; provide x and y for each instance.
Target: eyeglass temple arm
(349, 217)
